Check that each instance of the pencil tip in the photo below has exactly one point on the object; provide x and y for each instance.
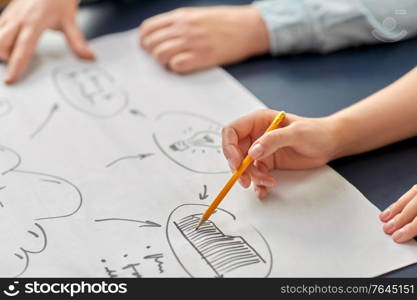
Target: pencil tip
(202, 220)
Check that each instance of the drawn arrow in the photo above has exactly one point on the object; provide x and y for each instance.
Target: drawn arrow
(150, 224)
(146, 223)
(138, 156)
(204, 195)
(48, 118)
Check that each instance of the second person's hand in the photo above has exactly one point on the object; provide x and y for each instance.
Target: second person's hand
(300, 143)
(195, 38)
(22, 24)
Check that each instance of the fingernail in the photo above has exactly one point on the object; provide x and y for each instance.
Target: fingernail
(389, 226)
(256, 151)
(398, 235)
(386, 213)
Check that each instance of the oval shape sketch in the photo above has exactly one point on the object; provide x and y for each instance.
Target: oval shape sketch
(5, 107)
(221, 247)
(90, 90)
(191, 141)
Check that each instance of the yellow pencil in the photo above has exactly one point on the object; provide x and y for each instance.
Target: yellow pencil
(236, 175)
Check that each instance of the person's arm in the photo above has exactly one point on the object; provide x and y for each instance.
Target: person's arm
(388, 116)
(323, 25)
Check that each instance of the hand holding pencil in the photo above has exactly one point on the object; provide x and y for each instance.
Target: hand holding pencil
(238, 173)
(299, 143)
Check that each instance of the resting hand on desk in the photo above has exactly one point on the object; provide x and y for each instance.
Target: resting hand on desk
(190, 39)
(386, 117)
(401, 217)
(23, 22)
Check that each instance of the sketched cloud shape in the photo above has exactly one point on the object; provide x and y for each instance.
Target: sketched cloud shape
(26, 199)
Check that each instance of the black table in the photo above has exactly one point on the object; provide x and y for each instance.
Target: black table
(309, 85)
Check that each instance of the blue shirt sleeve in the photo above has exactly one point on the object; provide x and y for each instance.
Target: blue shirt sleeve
(297, 26)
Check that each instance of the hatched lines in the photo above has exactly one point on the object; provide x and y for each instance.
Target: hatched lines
(223, 253)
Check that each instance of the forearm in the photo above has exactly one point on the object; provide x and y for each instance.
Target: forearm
(387, 116)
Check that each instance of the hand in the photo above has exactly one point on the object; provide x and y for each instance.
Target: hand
(400, 218)
(300, 143)
(23, 22)
(191, 39)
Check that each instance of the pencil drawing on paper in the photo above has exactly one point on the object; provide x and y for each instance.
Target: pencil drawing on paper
(146, 223)
(26, 200)
(191, 141)
(5, 107)
(90, 90)
(212, 251)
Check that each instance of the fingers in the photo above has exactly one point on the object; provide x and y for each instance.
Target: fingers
(8, 34)
(271, 142)
(245, 180)
(230, 141)
(243, 128)
(165, 51)
(150, 41)
(155, 23)
(22, 52)
(261, 177)
(401, 217)
(399, 205)
(76, 41)
(406, 233)
(261, 191)
(187, 62)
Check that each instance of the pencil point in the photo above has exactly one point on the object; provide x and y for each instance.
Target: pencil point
(202, 220)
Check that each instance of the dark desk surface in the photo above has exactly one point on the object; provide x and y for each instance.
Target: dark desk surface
(309, 85)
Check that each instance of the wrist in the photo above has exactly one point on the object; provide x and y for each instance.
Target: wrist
(339, 139)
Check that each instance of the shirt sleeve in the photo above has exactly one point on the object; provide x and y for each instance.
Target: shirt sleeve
(297, 26)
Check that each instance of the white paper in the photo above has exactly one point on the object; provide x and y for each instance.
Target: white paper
(106, 166)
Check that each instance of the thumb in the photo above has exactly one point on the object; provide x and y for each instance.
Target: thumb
(77, 41)
(271, 142)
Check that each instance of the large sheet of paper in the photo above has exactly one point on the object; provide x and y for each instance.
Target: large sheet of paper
(106, 167)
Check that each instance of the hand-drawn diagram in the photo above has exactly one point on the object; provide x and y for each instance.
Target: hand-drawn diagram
(27, 199)
(5, 107)
(220, 253)
(191, 141)
(90, 90)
